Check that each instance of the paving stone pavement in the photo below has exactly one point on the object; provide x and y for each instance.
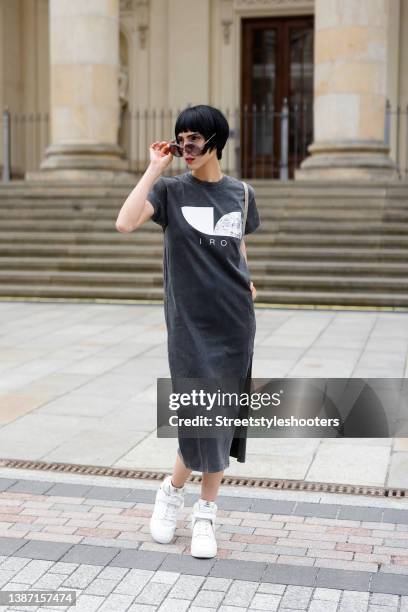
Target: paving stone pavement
(86, 375)
(78, 385)
(274, 554)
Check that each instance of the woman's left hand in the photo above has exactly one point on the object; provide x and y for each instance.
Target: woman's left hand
(252, 286)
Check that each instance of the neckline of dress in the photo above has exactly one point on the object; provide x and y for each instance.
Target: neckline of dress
(193, 178)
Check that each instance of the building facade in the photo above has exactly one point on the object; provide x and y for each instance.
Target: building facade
(111, 76)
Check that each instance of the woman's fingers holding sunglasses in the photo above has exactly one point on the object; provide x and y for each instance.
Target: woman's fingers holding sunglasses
(158, 146)
(161, 148)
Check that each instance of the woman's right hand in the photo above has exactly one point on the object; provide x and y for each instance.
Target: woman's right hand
(160, 157)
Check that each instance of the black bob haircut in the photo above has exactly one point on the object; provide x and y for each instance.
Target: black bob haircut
(206, 120)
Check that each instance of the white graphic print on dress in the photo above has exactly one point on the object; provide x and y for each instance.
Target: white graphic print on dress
(202, 219)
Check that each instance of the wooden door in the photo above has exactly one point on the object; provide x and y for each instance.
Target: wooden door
(277, 63)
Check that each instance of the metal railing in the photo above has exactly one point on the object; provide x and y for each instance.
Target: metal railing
(396, 136)
(25, 138)
(264, 142)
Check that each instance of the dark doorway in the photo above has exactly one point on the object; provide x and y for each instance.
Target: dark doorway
(277, 63)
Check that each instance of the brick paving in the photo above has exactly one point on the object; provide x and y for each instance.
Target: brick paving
(116, 588)
(288, 537)
(273, 554)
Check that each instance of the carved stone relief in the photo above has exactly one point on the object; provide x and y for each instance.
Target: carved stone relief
(226, 30)
(123, 78)
(142, 13)
(126, 6)
(241, 4)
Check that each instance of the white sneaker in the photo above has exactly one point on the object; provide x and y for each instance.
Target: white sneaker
(203, 542)
(163, 521)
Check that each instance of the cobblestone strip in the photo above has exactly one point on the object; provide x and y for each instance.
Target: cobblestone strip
(243, 535)
(122, 589)
(379, 514)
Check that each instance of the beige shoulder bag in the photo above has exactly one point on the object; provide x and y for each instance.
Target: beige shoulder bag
(245, 208)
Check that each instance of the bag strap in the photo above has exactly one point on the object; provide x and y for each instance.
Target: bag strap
(245, 208)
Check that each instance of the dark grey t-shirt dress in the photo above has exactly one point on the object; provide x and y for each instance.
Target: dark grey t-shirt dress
(208, 304)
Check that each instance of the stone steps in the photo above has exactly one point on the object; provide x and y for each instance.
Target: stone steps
(318, 244)
(271, 254)
(259, 238)
(103, 277)
(113, 203)
(380, 228)
(368, 298)
(109, 208)
(261, 184)
(26, 219)
(39, 208)
(258, 267)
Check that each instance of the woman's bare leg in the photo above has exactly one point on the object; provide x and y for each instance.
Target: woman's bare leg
(180, 473)
(210, 484)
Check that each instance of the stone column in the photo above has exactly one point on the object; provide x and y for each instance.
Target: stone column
(84, 95)
(349, 92)
(189, 37)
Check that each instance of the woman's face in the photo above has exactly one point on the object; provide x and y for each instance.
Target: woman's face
(197, 161)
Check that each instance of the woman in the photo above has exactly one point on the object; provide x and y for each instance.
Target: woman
(209, 296)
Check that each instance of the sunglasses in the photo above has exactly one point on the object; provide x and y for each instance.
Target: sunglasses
(190, 148)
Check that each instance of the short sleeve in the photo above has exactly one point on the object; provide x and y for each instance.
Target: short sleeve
(157, 196)
(253, 220)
